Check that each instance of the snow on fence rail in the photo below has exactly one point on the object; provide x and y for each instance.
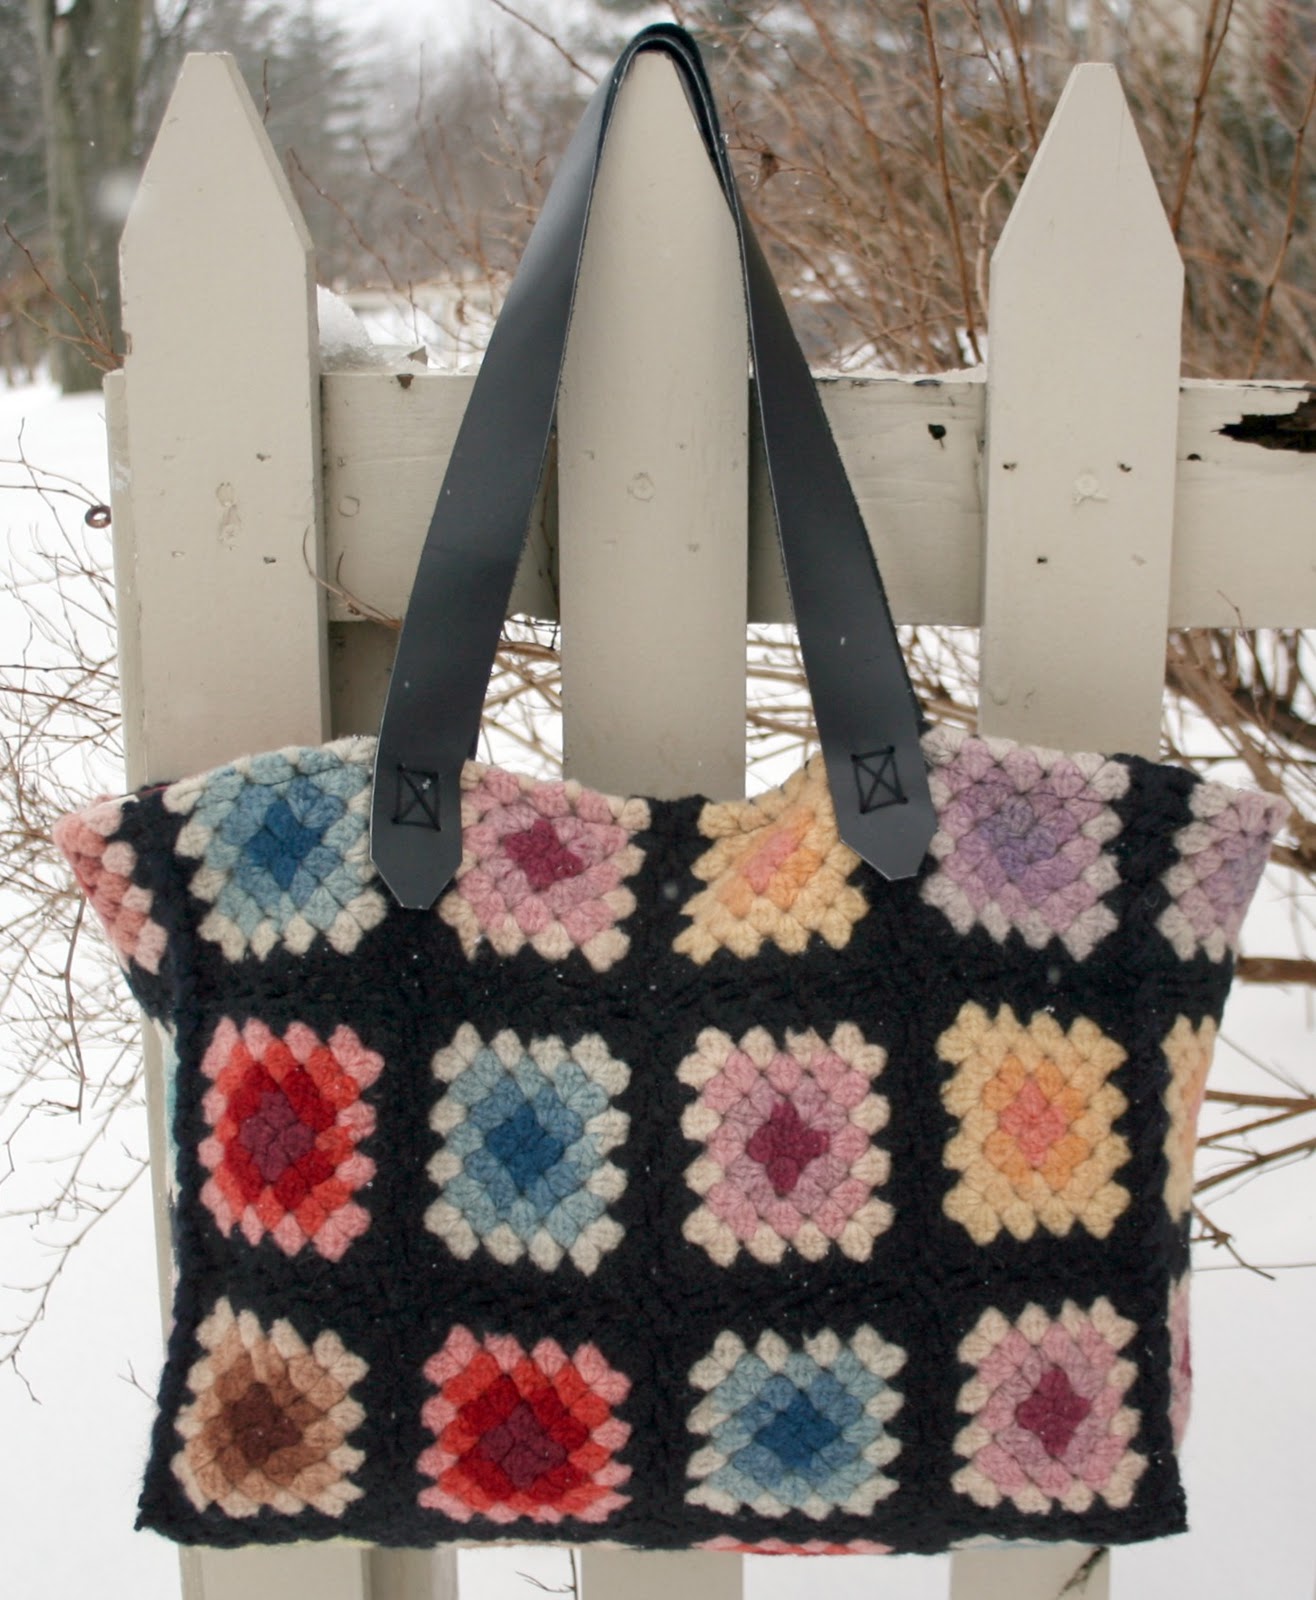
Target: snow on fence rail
(1072, 502)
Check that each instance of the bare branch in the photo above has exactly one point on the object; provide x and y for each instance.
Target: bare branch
(1290, 218)
(548, 38)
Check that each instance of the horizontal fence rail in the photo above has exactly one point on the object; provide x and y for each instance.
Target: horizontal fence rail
(1244, 548)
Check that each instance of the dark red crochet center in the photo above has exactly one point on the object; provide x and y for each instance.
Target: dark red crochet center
(783, 1146)
(542, 856)
(1053, 1412)
(524, 1445)
(277, 1128)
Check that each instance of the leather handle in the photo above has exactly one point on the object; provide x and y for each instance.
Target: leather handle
(868, 719)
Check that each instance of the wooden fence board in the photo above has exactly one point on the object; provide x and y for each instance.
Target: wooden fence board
(1086, 296)
(652, 467)
(653, 504)
(920, 493)
(223, 423)
(216, 493)
(1060, 1572)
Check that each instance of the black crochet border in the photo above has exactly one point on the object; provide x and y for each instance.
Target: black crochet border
(656, 1304)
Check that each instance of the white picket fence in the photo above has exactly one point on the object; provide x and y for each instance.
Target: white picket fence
(1073, 501)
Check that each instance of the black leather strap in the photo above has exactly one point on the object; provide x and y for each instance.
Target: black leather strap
(865, 709)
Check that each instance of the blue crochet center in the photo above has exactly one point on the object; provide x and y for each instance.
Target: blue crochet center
(286, 843)
(526, 1153)
(531, 1141)
(286, 839)
(800, 1434)
(280, 839)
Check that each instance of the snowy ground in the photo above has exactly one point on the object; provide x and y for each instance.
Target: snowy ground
(69, 1464)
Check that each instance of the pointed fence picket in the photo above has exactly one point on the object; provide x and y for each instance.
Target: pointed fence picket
(1073, 502)
(1079, 464)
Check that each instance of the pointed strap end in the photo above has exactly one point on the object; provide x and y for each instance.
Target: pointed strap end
(415, 833)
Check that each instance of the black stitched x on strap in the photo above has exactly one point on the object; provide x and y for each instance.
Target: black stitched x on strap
(417, 801)
(878, 780)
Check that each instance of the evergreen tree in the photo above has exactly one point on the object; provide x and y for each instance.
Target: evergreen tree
(22, 163)
(321, 91)
(82, 89)
(88, 57)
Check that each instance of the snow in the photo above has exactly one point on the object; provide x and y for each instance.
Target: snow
(70, 1464)
(71, 1457)
(345, 341)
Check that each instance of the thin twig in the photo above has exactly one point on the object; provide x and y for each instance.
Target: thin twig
(1212, 45)
(547, 37)
(1275, 969)
(1225, 1241)
(952, 218)
(1290, 218)
(358, 235)
(1010, 17)
(1293, 1152)
(91, 336)
(75, 1040)
(1078, 1580)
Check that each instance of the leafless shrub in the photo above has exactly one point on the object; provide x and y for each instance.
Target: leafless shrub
(69, 1041)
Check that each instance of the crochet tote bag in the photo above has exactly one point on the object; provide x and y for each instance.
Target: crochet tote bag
(805, 1173)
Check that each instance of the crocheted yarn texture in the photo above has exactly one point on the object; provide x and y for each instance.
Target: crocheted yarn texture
(676, 1181)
